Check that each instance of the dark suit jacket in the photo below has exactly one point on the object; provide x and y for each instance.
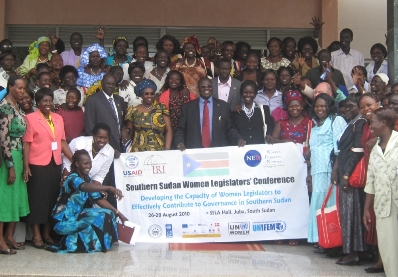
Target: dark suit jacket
(98, 110)
(314, 75)
(189, 132)
(351, 138)
(234, 98)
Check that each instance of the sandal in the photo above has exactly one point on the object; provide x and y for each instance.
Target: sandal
(293, 242)
(37, 245)
(8, 252)
(15, 246)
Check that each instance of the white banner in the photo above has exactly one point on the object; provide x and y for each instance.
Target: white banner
(257, 192)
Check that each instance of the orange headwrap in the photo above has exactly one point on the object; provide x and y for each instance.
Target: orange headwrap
(194, 41)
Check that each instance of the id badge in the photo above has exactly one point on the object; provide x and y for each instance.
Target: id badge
(54, 145)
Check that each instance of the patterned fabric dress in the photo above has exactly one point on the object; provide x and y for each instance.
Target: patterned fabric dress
(86, 80)
(296, 133)
(13, 198)
(322, 141)
(84, 229)
(265, 64)
(192, 74)
(149, 128)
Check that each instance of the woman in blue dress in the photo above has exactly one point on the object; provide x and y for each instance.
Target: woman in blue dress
(90, 69)
(84, 229)
(323, 141)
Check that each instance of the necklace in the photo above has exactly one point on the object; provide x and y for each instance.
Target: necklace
(158, 75)
(320, 123)
(147, 108)
(295, 125)
(42, 61)
(248, 112)
(95, 73)
(190, 65)
(92, 149)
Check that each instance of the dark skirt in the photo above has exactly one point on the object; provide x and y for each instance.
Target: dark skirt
(43, 190)
(351, 219)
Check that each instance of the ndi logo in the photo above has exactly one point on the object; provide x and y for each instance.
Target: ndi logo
(131, 162)
(252, 158)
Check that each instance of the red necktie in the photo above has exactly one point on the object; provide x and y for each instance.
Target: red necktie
(206, 126)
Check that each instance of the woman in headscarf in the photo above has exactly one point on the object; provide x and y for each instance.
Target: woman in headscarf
(149, 122)
(39, 52)
(377, 84)
(192, 68)
(118, 55)
(90, 69)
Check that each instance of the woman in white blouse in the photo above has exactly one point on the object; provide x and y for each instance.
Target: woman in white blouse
(382, 187)
(101, 153)
(378, 53)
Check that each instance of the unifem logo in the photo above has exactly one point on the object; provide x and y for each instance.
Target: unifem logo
(131, 162)
(252, 158)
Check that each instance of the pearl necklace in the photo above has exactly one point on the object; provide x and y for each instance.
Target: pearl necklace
(190, 65)
(158, 75)
(147, 108)
(95, 74)
(248, 112)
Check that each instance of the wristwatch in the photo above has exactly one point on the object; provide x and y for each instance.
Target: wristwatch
(346, 177)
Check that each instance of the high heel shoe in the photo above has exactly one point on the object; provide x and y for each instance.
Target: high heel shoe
(355, 261)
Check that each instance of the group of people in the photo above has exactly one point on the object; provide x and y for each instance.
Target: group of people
(66, 115)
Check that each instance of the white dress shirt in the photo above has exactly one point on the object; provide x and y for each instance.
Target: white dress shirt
(100, 164)
(129, 95)
(223, 89)
(383, 69)
(345, 63)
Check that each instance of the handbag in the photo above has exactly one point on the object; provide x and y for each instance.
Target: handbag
(358, 176)
(265, 125)
(328, 222)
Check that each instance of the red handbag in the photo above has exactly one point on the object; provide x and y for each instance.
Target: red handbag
(358, 176)
(328, 221)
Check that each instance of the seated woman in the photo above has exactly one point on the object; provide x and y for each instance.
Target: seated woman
(161, 66)
(73, 115)
(250, 120)
(305, 59)
(174, 97)
(274, 60)
(294, 128)
(171, 45)
(149, 122)
(68, 75)
(136, 72)
(97, 146)
(118, 55)
(252, 70)
(192, 68)
(84, 230)
(90, 69)
(39, 52)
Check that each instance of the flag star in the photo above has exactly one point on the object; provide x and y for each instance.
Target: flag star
(188, 164)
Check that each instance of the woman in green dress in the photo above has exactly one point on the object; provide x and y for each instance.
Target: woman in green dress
(149, 122)
(13, 192)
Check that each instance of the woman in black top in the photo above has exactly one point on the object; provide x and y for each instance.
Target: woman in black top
(249, 119)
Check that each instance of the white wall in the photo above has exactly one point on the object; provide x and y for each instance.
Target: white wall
(367, 19)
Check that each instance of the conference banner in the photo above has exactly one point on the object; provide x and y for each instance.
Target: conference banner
(256, 192)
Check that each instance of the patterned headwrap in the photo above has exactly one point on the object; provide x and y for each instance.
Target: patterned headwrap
(194, 41)
(213, 41)
(34, 48)
(144, 84)
(291, 95)
(383, 77)
(84, 60)
(117, 39)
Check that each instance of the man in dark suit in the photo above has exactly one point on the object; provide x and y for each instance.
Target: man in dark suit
(205, 122)
(106, 107)
(225, 87)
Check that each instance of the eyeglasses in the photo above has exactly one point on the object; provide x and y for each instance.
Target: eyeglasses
(350, 106)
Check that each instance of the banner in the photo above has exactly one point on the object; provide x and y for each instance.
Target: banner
(256, 192)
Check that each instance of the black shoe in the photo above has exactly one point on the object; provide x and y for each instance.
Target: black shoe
(335, 252)
(321, 250)
(374, 270)
(355, 261)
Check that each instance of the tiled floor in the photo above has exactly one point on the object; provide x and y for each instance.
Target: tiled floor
(145, 259)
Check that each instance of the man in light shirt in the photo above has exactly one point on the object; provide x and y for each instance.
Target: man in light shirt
(346, 58)
(225, 87)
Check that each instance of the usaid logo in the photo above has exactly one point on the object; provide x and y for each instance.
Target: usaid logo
(131, 162)
(252, 158)
(239, 228)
